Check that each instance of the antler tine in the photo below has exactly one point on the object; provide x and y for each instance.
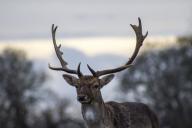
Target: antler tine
(91, 70)
(59, 55)
(139, 41)
(79, 73)
(139, 38)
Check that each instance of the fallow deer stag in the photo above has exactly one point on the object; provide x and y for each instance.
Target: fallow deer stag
(97, 113)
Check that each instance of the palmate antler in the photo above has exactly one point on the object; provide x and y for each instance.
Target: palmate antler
(139, 41)
(59, 56)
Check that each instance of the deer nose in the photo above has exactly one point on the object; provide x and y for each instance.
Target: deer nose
(81, 98)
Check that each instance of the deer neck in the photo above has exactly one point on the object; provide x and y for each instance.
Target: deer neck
(95, 114)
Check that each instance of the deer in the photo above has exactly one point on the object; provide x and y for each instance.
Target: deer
(95, 112)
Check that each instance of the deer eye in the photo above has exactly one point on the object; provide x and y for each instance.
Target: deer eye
(96, 86)
(77, 87)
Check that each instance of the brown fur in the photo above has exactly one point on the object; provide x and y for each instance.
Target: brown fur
(131, 115)
(98, 114)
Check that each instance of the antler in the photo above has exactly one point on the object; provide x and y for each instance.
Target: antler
(139, 41)
(59, 55)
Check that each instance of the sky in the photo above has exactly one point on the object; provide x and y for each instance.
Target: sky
(32, 19)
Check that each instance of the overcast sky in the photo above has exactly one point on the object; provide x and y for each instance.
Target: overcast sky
(32, 19)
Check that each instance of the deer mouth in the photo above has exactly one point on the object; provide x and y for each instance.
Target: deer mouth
(86, 101)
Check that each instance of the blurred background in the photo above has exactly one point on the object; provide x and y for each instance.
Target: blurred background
(97, 33)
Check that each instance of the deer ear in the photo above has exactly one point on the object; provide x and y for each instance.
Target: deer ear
(106, 79)
(70, 79)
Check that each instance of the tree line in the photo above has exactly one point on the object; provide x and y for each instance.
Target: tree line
(162, 79)
(20, 93)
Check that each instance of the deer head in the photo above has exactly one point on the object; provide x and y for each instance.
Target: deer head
(88, 86)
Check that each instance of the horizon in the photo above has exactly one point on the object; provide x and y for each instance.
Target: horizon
(89, 46)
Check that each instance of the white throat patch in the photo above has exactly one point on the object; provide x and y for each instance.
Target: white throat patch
(90, 115)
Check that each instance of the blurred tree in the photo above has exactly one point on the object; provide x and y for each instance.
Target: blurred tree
(185, 39)
(163, 79)
(19, 87)
(18, 81)
(56, 117)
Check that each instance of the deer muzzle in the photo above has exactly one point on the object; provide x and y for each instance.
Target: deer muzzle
(83, 99)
